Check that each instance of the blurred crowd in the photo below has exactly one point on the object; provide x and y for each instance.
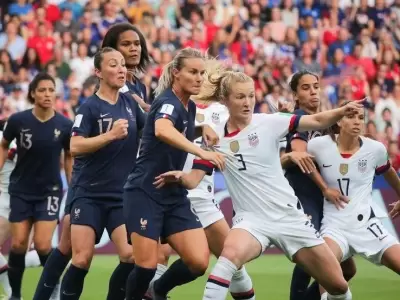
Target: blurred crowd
(354, 45)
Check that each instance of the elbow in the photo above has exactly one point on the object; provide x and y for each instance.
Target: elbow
(159, 132)
(74, 150)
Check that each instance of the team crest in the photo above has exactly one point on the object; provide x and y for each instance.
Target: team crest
(343, 169)
(130, 113)
(362, 165)
(253, 140)
(234, 145)
(200, 118)
(56, 133)
(215, 118)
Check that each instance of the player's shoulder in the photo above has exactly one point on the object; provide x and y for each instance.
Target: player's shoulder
(321, 142)
(63, 120)
(371, 145)
(299, 112)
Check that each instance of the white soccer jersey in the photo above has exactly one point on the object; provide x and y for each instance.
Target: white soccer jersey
(352, 176)
(8, 167)
(213, 115)
(253, 172)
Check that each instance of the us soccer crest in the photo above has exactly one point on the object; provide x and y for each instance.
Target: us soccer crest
(343, 169)
(253, 139)
(215, 118)
(362, 165)
(234, 145)
(200, 118)
(56, 133)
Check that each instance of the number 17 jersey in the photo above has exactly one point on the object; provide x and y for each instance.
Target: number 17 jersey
(352, 175)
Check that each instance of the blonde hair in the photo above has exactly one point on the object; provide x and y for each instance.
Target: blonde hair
(219, 81)
(177, 63)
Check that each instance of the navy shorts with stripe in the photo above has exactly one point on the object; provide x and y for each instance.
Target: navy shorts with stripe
(313, 210)
(25, 207)
(98, 214)
(154, 220)
(68, 201)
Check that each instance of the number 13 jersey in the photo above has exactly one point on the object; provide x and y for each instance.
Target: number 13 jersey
(352, 175)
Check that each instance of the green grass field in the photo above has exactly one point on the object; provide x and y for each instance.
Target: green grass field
(271, 277)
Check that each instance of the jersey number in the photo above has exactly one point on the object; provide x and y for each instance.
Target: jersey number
(376, 231)
(53, 204)
(344, 186)
(26, 140)
(240, 159)
(105, 121)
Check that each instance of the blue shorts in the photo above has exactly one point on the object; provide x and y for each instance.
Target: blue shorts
(68, 201)
(97, 214)
(314, 210)
(153, 220)
(25, 207)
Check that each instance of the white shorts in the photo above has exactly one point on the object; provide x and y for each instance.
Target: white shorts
(290, 234)
(4, 205)
(369, 241)
(207, 211)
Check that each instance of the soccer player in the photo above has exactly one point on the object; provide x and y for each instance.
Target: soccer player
(348, 163)
(105, 138)
(265, 204)
(129, 41)
(305, 87)
(152, 214)
(35, 183)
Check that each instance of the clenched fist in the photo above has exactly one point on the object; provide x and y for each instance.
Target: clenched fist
(119, 129)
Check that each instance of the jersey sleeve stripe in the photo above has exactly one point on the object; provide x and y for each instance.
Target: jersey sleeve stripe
(294, 122)
(382, 169)
(204, 165)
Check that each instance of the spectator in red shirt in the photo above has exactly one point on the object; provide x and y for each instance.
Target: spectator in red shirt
(197, 41)
(210, 26)
(359, 84)
(53, 13)
(43, 43)
(366, 62)
(241, 49)
(394, 155)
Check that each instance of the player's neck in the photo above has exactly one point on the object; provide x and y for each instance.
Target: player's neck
(182, 96)
(347, 144)
(108, 94)
(310, 111)
(130, 77)
(43, 114)
(235, 125)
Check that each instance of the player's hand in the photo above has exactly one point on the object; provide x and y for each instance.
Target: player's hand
(303, 160)
(336, 198)
(146, 107)
(168, 177)
(215, 158)
(119, 129)
(351, 107)
(286, 107)
(210, 137)
(395, 212)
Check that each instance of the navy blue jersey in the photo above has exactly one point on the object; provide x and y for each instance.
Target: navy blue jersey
(137, 88)
(157, 157)
(103, 173)
(302, 184)
(39, 146)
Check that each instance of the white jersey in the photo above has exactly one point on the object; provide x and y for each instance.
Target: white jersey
(8, 167)
(352, 176)
(253, 172)
(214, 115)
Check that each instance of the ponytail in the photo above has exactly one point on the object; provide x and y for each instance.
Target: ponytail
(165, 80)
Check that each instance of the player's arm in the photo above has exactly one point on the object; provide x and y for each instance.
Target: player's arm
(299, 155)
(327, 118)
(210, 137)
(68, 162)
(9, 134)
(188, 180)
(3, 152)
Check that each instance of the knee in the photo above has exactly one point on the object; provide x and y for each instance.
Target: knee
(164, 252)
(198, 264)
(65, 246)
(19, 245)
(82, 258)
(349, 271)
(231, 253)
(42, 247)
(338, 287)
(126, 255)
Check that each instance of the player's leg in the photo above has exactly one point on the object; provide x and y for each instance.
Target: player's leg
(181, 228)
(117, 231)
(87, 226)
(391, 258)
(32, 259)
(4, 234)
(144, 218)
(55, 265)
(349, 268)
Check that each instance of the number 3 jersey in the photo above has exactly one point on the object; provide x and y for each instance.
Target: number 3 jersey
(253, 172)
(352, 175)
(213, 115)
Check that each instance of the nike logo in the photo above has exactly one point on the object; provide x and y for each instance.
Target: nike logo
(327, 166)
(48, 286)
(382, 238)
(25, 130)
(67, 294)
(185, 122)
(103, 115)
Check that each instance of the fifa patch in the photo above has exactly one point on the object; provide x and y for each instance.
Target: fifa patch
(362, 165)
(343, 169)
(253, 140)
(234, 145)
(167, 109)
(200, 118)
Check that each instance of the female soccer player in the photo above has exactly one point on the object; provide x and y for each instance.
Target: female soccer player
(265, 205)
(35, 184)
(104, 136)
(348, 163)
(152, 214)
(305, 87)
(130, 42)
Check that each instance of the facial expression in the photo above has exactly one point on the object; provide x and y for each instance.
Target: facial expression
(308, 92)
(130, 47)
(113, 69)
(353, 124)
(241, 100)
(191, 75)
(44, 94)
